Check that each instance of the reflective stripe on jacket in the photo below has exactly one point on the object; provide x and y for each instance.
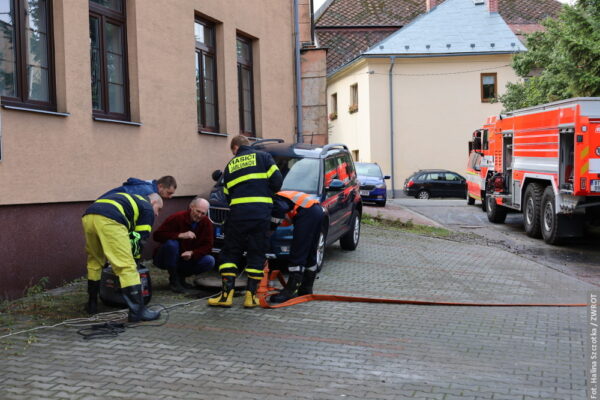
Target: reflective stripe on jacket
(300, 199)
(133, 211)
(250, 180)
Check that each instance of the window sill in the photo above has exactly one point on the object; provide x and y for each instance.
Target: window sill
(35, 110)
(117, 121)
(210, 133)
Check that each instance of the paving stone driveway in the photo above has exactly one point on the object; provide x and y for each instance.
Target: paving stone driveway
(332, 350)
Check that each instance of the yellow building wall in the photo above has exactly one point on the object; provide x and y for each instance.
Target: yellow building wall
(351, 129)
(50, 158)
(437, 106)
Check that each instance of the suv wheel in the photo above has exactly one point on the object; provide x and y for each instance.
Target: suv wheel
(350, 239)
(321, 249)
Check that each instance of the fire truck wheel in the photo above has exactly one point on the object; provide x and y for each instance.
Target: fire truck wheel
(495, 213)
(423, 195)
(549, 219)
(531, 211)
(483, 202)
(470, 200)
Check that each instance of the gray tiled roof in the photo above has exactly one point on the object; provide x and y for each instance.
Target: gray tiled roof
(455, 26)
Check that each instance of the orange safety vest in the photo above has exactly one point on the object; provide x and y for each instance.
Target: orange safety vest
(300, 199)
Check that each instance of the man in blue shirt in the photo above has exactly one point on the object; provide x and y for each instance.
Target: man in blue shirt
(164, 186)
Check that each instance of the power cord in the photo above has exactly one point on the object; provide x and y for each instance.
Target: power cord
(101, 331)
(108, 324)
(113, 328)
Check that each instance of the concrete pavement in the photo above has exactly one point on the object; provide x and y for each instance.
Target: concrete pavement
(333, 350)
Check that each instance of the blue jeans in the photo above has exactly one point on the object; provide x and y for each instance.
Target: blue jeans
(168, 256)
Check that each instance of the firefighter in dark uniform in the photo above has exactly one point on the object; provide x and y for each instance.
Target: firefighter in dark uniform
(306, 214)
(251, 178)
(114, 227)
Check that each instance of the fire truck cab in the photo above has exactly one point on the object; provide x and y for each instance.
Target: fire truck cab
(543, 161)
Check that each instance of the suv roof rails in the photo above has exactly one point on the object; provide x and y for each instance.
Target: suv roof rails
(261, 141)
(328, 147)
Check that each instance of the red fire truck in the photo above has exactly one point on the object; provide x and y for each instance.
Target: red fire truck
(543, 161)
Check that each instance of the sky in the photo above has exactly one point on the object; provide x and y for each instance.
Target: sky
(318, 3)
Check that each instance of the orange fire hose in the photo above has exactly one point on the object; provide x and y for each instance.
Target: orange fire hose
(264, 290)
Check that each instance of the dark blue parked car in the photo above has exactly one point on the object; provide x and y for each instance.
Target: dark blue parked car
(372, 183)
(325, 172)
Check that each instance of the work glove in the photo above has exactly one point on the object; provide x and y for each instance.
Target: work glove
(136, 244)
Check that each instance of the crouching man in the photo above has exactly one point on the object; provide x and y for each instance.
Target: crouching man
(306, 214)
(186, 239)
(107, 225)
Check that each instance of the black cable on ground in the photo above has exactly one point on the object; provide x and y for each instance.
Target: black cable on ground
(100, 331)
(112, 329)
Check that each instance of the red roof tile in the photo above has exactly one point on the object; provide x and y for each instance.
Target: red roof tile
(528, 11)
(346, 45)
(347, 42)
(371, 12)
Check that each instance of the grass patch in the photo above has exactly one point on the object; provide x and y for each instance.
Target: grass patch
(37, 308)
(40, 306)
(407, 226)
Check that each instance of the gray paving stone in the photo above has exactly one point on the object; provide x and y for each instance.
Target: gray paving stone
(323, 350)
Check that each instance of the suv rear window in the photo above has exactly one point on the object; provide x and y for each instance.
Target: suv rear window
(301, 174)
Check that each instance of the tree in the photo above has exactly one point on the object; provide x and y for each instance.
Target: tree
(568, 55)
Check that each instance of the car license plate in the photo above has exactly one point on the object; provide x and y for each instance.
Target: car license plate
(595, 185)
(364, 192)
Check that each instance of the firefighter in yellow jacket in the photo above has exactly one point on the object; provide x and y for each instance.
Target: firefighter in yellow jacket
(306, 214)
(109, 224)
(251, 178)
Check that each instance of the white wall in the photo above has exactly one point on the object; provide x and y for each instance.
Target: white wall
(351, 129)
(437, 106)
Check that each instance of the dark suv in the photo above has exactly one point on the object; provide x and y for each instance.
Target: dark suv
(326, 172)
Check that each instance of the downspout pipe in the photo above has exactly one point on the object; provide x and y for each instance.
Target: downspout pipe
(392, 60)
(299, 137)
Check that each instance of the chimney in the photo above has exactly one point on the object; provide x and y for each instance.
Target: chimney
(430, 4)
(493, 6)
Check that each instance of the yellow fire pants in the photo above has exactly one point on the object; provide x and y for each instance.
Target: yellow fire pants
(108, 239)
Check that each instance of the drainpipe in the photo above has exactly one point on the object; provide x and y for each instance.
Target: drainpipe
(392, 59)
(0, 133)
(298, 72)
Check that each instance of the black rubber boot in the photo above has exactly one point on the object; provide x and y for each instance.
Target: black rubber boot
(175, 283)
(225, 298)
(307, 283)
(93, 290)
(135, 302)
(250, 299)
(188, 287)
(290, 290)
